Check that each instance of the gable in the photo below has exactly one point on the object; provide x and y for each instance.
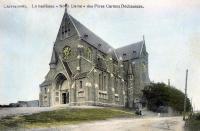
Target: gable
(129, 52)
(66, 29)
(132, 51)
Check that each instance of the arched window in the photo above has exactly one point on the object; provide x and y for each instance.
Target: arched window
(81, 84)
(45, 90)
(66, 52)
(100, 81)
(104, 83)
(116, 85)
(88, 53)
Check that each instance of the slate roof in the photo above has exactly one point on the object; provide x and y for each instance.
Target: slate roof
(81, 75)
(88, 36)
(92, 39)
(45, 83)
(131, 51)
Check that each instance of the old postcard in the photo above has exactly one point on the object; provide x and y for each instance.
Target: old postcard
(99, 65)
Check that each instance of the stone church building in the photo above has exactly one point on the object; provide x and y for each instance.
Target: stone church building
(85, 70)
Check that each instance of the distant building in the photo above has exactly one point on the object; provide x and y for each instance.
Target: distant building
(33, 103)
(12, 105)
(85, 70)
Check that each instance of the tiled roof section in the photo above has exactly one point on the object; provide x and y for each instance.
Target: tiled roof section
(45, 83)
(130, 51)
(81, 75)
(92, 39)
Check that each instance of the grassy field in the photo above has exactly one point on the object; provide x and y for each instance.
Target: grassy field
(62, 117)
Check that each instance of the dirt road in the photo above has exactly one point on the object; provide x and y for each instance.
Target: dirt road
(151, 122)
(131, 124)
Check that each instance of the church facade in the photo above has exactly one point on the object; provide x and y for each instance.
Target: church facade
(85, 70)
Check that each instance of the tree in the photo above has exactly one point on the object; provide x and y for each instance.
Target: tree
(162, 95)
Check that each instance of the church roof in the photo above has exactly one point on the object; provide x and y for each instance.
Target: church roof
(91, 38)
(131, 51)
(128, 52)
(81, 75)
(45, 83)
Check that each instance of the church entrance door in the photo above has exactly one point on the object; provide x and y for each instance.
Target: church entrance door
(65, 98)
(63, 86)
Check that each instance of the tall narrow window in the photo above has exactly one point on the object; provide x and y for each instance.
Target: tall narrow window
(88, 53)
(116, 85)
(45, 90)
(81, 84)
(104, 81)
(100, 82)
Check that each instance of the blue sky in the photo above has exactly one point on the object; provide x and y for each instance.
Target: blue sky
(171, 29)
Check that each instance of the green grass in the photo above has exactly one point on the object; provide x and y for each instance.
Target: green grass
(62, 117)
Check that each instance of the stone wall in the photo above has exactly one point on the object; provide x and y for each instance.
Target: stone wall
(94, 77)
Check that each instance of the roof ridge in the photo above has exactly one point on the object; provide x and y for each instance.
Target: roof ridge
(93, 39)
(74, 24)
(139, 42)
(87, 29)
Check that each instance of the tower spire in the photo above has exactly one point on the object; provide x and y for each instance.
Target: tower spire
(66, 8)
(143, 38)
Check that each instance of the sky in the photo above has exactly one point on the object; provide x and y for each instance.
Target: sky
(171, 29)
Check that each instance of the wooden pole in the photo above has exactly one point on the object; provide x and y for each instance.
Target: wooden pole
(168, 82)
(185, 100)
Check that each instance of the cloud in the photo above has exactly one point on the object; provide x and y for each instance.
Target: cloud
(194, 47)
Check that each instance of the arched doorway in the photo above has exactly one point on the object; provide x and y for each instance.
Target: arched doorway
(62, 87)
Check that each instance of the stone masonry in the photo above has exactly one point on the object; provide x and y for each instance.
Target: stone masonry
(85, 70)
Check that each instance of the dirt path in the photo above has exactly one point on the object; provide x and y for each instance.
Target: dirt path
(131, 124)
(150, 123)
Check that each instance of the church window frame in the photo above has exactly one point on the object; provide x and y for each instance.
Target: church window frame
(81, 84)
(104, 82)
(88, 53)
(57, 93)
(67, 52)
(131, 77)
(45, 90)
(100, 81)
(116, 85)
(57, 99)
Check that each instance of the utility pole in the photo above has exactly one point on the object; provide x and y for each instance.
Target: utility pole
(185, 94)
(168, 82)
(191, 105)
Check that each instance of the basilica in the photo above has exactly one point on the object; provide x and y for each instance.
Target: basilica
(86, 70)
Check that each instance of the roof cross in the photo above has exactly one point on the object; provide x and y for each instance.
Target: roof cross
(66, 8)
